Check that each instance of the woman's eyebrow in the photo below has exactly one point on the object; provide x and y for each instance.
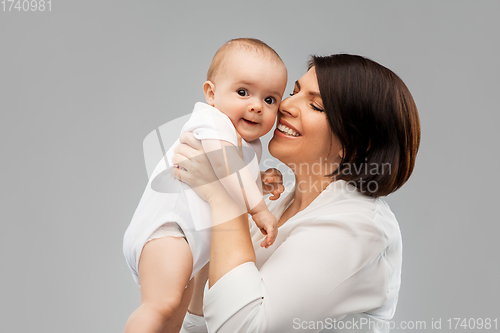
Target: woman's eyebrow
(312, 93)
(315, 94)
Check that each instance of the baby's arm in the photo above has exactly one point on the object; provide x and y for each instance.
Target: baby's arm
(237, 179)
(267, 223)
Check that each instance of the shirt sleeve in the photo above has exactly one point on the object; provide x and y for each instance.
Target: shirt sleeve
(324, 269)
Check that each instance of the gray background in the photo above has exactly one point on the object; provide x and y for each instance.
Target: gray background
(82, 86)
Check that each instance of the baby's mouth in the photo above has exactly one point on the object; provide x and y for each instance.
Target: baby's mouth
(249, 122)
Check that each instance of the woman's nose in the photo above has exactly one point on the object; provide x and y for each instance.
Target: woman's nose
(288, 107)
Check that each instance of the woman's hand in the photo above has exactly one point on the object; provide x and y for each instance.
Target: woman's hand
(194, 168)
(272, 183)
(231, 244)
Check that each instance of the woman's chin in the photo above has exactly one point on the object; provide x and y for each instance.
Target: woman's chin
(271, 146)
(277, 149)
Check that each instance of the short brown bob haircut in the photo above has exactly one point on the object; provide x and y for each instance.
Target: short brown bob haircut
(371, 111)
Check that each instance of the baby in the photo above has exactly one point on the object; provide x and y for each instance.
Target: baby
(170, 230)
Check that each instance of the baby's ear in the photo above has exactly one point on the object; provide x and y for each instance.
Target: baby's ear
(209, 90)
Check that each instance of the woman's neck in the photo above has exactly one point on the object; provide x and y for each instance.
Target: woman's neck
(308, 188)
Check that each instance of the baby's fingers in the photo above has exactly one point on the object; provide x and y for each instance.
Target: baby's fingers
(264, 243)
(277, 192)
(272, 179)
(269, 239)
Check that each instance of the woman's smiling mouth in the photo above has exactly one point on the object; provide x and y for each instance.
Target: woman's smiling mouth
(286, 129)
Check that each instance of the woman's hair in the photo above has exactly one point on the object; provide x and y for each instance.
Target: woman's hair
(373, 114)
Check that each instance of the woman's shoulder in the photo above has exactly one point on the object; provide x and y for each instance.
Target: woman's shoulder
(374, 212)
(342, 205)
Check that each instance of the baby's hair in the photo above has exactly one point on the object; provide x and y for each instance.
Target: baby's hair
(239, 44)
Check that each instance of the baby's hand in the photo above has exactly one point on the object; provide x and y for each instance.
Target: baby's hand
(272, 183)
(268, 225)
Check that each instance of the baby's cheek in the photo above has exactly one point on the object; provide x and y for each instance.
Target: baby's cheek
(269, 124)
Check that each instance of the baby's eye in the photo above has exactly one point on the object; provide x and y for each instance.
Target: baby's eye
(270, 100)
(242, 92)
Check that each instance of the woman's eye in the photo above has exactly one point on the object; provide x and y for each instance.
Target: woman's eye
(316, 108)
(242, 92)
(270, 100)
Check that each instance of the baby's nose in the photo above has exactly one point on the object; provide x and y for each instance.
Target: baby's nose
(255, 107)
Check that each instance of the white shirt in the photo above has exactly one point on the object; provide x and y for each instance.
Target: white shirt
(340, 258)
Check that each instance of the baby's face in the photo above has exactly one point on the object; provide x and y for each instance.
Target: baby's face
(249, 90)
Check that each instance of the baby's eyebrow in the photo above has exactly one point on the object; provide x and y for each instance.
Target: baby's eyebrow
(244, 82)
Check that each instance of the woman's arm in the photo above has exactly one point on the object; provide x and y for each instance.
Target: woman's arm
(231, 243)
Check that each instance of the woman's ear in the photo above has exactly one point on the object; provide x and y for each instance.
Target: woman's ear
(341, 153)
(209, 90)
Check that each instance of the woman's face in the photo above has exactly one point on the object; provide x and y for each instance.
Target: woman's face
(308, 140)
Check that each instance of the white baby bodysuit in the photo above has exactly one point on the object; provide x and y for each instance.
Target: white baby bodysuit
(167, 199)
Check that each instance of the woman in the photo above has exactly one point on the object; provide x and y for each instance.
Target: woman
(336, 263)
